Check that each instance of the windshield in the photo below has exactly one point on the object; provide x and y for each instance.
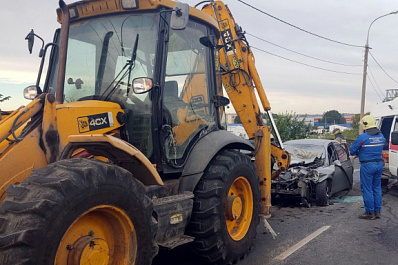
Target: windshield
(305, 152)
(100, 48)
(100, 63)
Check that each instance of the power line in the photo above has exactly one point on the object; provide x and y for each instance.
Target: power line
(320, 68)
(374, 79)
(306, 31)
(302, 53)
(370, 81)
(382, 68)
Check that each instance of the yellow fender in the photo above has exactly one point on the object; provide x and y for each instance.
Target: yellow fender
(118, 151)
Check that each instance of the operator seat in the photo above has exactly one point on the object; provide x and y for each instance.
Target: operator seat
(171, 101)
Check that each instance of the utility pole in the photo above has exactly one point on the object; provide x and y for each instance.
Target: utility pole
(365, 67)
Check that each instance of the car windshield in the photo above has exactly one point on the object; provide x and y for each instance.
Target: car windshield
(304, 152)
(99, 50)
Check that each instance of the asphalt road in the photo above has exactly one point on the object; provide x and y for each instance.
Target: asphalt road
(319, 235)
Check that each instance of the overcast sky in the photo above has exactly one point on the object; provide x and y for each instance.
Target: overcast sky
(290, 86)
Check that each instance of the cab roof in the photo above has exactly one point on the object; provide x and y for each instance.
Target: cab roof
(91, 8)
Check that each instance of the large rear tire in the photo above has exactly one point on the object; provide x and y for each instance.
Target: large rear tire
(226, 209)
(77, 211)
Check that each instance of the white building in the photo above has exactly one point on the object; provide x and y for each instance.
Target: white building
(340, 127)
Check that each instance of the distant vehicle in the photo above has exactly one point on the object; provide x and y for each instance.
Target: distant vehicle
(238, 130)
(319, 168)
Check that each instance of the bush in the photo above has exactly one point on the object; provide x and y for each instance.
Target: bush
(290, 127)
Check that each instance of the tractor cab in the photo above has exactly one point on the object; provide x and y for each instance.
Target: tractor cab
(161, 75)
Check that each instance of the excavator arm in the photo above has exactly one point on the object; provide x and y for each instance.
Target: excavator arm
(240, 80)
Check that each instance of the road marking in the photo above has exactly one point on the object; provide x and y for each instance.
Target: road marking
(302, 243)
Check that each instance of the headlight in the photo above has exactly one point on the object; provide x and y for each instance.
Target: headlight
(73, 13)
(129, 4)
(30, 92)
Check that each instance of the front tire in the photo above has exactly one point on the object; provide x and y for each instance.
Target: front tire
(322, 191)
(77, 211)
(226, 209)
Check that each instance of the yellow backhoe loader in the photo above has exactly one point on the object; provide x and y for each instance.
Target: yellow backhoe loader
(124, 150)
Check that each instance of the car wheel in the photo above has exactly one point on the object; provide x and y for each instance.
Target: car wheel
(323, 193)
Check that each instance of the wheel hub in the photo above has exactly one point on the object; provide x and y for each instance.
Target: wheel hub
(234, 207)
(89, 250)
(102, 235)
(239, 208)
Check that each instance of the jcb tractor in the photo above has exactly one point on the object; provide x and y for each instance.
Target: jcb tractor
(124, 150)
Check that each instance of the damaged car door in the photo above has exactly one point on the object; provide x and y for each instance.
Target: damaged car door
(343, 174)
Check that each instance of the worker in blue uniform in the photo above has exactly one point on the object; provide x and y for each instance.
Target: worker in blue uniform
(368, 147)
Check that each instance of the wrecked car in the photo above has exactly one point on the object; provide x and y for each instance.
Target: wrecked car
(319, 168)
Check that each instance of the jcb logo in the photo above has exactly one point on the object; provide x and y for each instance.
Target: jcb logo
(83, 124)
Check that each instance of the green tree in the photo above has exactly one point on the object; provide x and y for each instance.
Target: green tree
(355, 122)
(351, 134)
(3, 98)
(332, 116)
(290, 127)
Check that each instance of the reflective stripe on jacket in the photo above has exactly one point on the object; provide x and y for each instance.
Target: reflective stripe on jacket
(368, 147)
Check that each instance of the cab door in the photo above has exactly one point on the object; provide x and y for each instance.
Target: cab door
(393, 148)
(188, 90)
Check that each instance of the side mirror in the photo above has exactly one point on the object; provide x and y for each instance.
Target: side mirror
(394, 138)
(78, 83)
(220, 101)
(142, 85)
(179, 16)
(31, 40)
(337, 163)
(208, 41)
